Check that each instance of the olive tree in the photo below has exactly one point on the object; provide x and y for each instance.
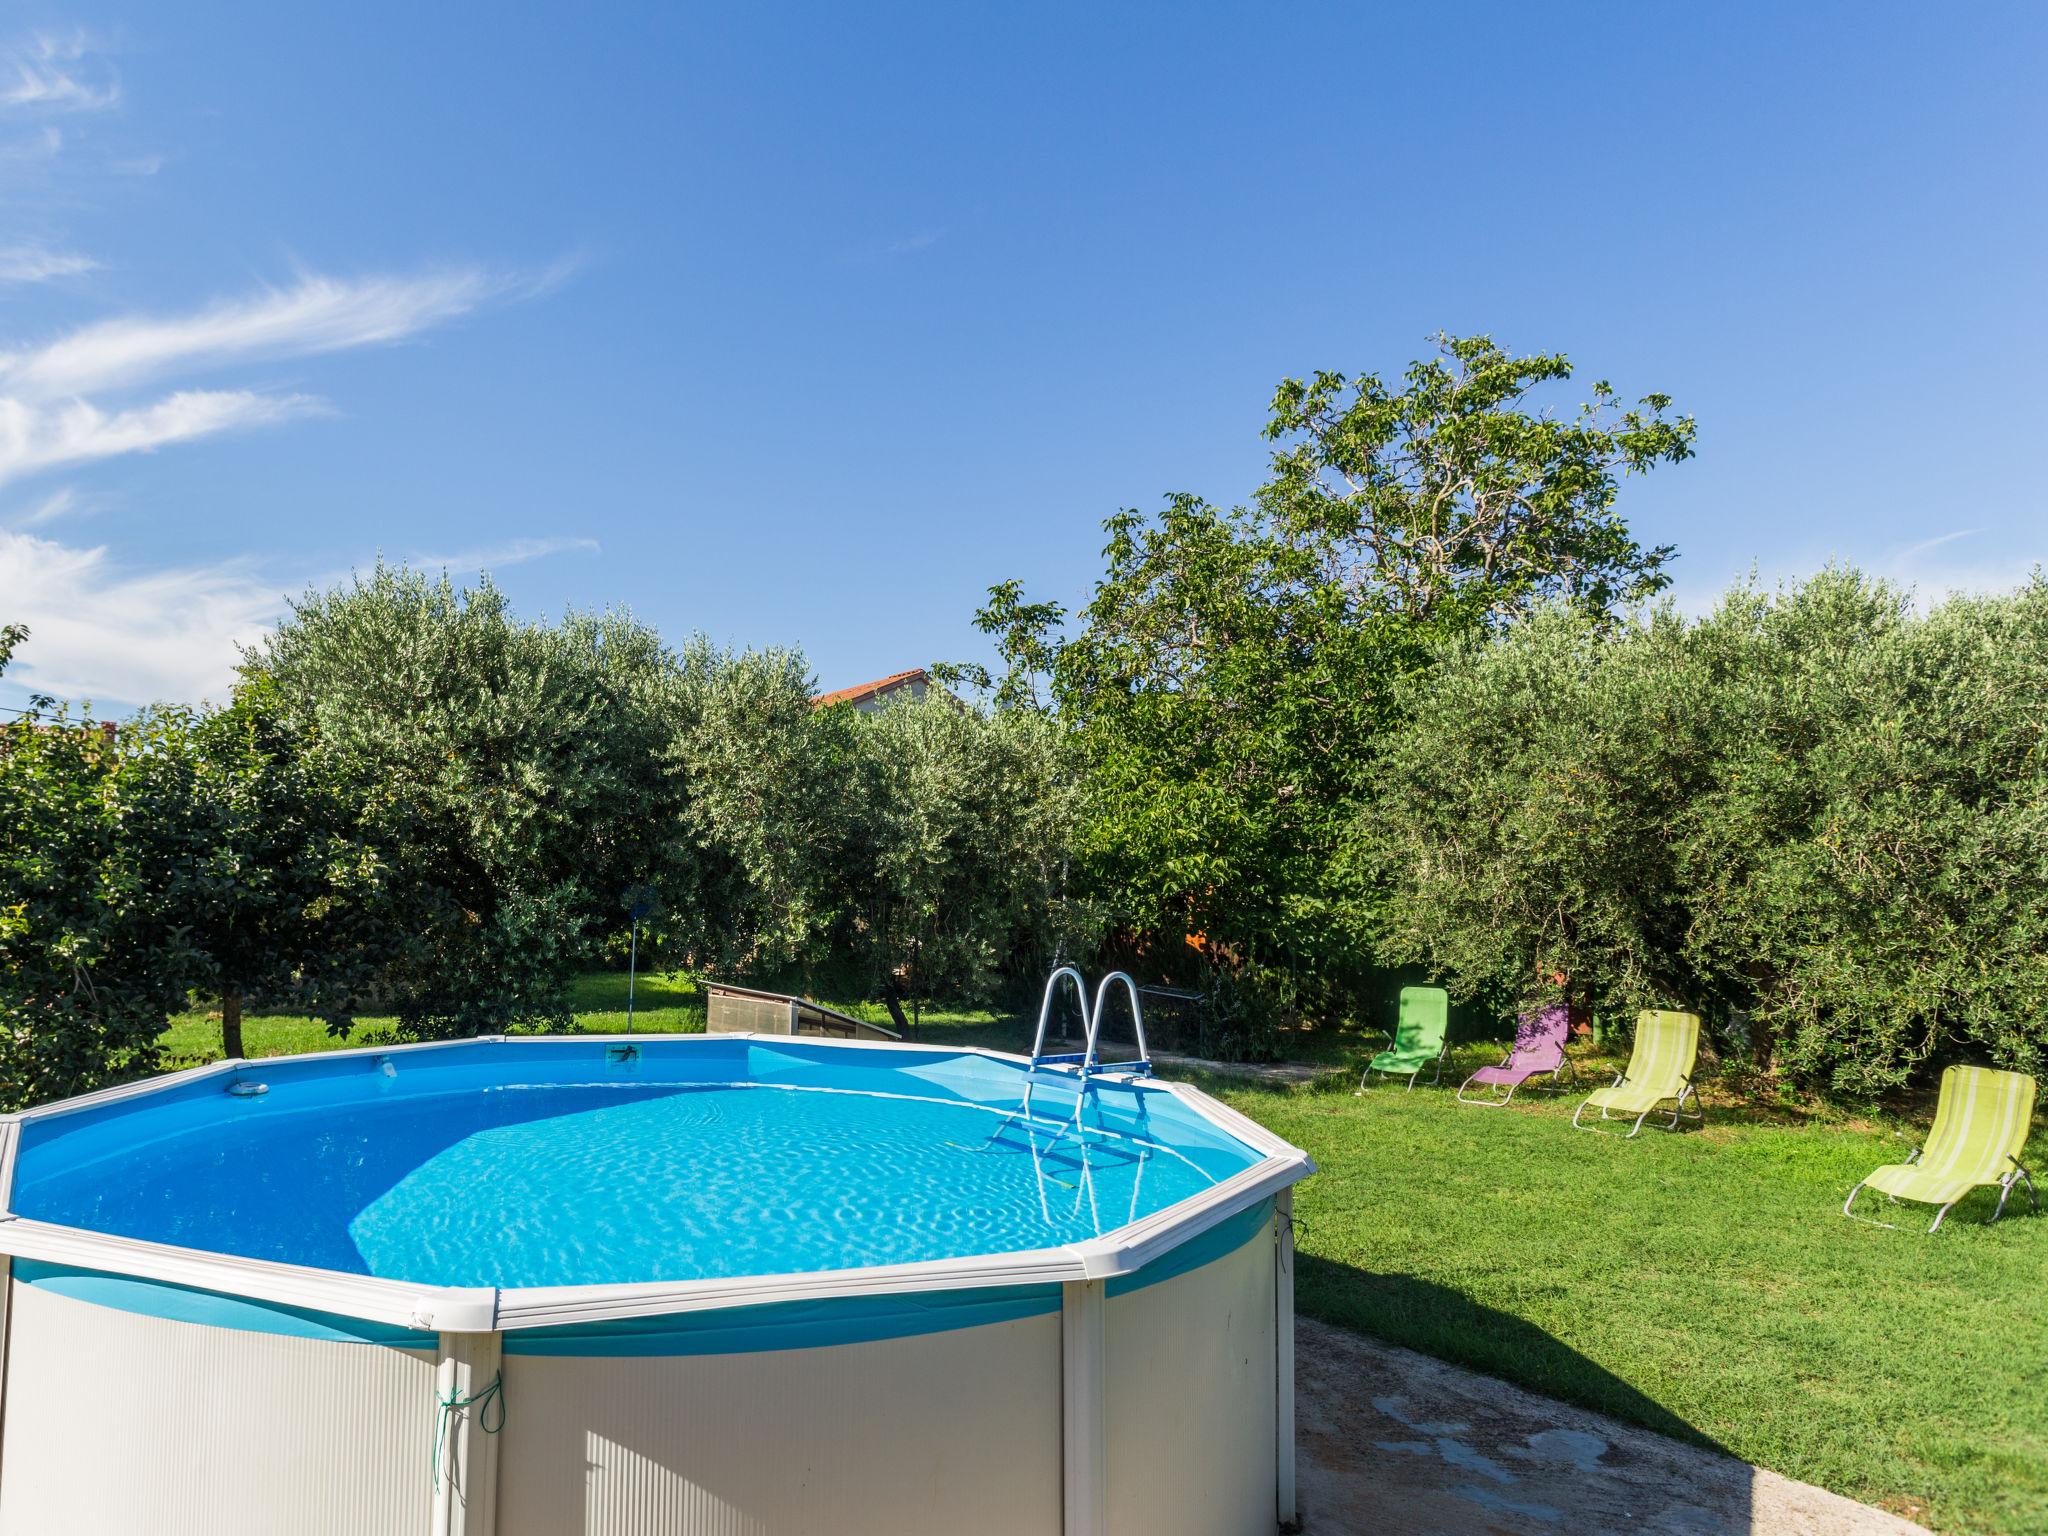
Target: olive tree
(1869, 868)
(770, 810)
(1529, 815)
(1819, 811)
(519, 776)
(960, 878)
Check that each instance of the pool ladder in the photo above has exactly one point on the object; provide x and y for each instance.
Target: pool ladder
(1091, 1025)
(1086, 1066)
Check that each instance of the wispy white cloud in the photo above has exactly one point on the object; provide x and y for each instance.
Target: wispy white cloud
(495, 557)
(910, 245)
(1927, 546)
(316, 314)
(118, 636)
(38, 264)
(44, 79)
(48, 419)
(138, 165)
(48, 79)
(1936, 568)
(62, 503)
(49, 73)
(34, 437)
(44, 144)
(1940, 566)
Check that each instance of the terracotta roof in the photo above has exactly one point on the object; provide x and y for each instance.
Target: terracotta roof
(862, 691)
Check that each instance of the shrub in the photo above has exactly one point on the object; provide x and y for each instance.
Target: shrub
(1816, 808)
(93, 830)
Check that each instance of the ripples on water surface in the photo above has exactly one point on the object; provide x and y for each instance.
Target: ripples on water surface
(565, 1185)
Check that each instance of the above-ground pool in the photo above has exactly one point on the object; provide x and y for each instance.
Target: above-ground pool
(729, 1284)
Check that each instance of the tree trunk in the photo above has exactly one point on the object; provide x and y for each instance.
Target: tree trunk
(894, 1000)
(231, 1024)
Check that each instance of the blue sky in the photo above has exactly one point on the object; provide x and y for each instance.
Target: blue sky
(802, 325)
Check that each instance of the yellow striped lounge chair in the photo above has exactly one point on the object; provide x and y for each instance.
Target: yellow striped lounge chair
(1659, 1072)
(1980, 1130)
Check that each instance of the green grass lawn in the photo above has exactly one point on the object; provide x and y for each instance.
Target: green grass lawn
(1703, 1284)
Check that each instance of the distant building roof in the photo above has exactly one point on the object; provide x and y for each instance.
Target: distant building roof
(915, 680)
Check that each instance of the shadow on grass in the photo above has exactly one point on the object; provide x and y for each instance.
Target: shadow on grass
(1436, 1320)
(1734, 1093)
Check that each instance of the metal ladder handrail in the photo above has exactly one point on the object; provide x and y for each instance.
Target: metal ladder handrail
(1045, 1014)
(1086, 1066)
(1144, 1062)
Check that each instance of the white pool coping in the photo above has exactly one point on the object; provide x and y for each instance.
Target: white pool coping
(460, 1309)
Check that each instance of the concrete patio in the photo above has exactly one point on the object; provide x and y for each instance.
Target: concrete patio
(1392, 1442)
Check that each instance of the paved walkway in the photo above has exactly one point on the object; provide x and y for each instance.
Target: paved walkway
(1392, 1442)
(1278, 1074)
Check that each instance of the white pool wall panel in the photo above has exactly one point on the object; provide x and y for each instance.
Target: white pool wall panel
(118, 1423)
(1191, 1378)
(940, 1432)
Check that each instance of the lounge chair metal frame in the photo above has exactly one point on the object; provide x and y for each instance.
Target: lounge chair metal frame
(1442, 1052)
(1558, 1083)
(1688, 1089)
(2018, 1175)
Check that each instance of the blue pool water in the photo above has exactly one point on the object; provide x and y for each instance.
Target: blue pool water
(529, 1164)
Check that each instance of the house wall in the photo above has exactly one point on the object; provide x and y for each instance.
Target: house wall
(915, 688)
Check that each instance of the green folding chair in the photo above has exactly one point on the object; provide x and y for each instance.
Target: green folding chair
(1980, 1129)
(1419, 1037)
(1659, 1069)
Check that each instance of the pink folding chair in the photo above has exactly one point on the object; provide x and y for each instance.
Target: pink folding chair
(1539, 1047)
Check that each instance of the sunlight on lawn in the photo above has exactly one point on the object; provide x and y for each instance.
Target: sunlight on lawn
(1703, 1282)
